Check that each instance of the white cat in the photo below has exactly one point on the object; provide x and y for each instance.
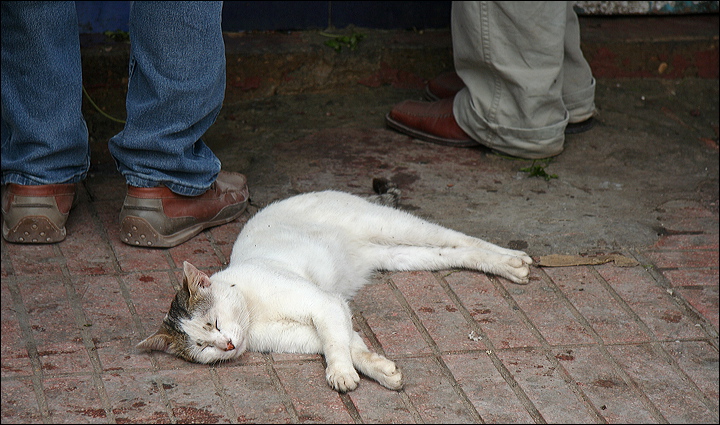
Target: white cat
(292, 270)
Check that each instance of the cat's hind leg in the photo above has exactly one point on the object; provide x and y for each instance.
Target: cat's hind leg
(375, 366)
(395, 227)
(406, 258)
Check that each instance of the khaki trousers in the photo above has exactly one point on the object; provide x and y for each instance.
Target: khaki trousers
(525, 75)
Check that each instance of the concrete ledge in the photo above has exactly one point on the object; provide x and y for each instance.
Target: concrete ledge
(261, 64)
(651, 47)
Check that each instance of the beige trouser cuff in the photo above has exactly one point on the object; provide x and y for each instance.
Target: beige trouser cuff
(525, 75)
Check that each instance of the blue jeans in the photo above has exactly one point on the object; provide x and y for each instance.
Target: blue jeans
(175, 91)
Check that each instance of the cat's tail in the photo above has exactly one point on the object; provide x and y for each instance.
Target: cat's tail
(387, 193)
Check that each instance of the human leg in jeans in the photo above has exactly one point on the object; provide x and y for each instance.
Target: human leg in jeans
(175, 187)
(520, 73)
(45, 148)
(175, 91)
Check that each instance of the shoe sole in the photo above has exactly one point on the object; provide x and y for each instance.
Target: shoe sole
(34, 230)
(580, 127)
(428, 137)
(137, 231)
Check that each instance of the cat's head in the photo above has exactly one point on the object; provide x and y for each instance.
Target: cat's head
(198, 328)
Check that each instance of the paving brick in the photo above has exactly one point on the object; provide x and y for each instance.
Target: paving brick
(692, 277)
(150, 295)
(687, 242)
(663, 384)
(193, 395)
(650, 302)
(677, 259)
(19, 404)
(252, 394)
(500, 321)
(15, 359)
(135, 397)
(167, 361)
(247, 358)
(390, 323)
(54, 331)
(74, 399)
(32, 260)
(548, 312)
(705, 301)
(597, 377)
(312, 397)
(376, 404)
(603, 312)
(437, 312)
(85, 249)
(109, 323)
(198, 251)
(553, 397)
(104, 306)
(121, 354)
(433, 394)
(487, 390)
(64, 357)
(5, 269)
(699, 360)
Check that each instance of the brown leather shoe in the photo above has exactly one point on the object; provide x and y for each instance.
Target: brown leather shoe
(36, 214)
(444, 86)
(432, 122)
(158, 218)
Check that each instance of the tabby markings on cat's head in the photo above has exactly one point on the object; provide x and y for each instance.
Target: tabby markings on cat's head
(192, 329)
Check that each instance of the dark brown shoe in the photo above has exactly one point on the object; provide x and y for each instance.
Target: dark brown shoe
(444, 86)
(432, 122)
(158, 218)
(36, 214)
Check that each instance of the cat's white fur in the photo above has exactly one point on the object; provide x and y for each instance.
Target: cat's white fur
(295, 265)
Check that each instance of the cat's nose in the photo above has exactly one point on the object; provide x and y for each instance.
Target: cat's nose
(230, 346)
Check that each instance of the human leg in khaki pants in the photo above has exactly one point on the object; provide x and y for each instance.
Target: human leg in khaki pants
(525, 81)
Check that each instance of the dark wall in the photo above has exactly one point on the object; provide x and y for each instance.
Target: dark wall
(101, 16)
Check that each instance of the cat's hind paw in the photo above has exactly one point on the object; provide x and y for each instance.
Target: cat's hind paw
(513, 268)
(392, 379)
(342, 380)
(520, 254)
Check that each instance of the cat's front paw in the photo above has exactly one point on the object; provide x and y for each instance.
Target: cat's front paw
(342, 379)
(383, 370)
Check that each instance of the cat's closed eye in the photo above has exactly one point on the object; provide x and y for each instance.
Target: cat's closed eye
(209, 326)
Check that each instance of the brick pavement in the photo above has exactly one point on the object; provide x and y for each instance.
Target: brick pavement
(578, 344)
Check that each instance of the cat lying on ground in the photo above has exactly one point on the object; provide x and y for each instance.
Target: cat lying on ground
(293, 269)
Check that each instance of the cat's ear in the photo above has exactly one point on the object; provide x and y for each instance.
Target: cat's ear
(194, 279)
(159, 341)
